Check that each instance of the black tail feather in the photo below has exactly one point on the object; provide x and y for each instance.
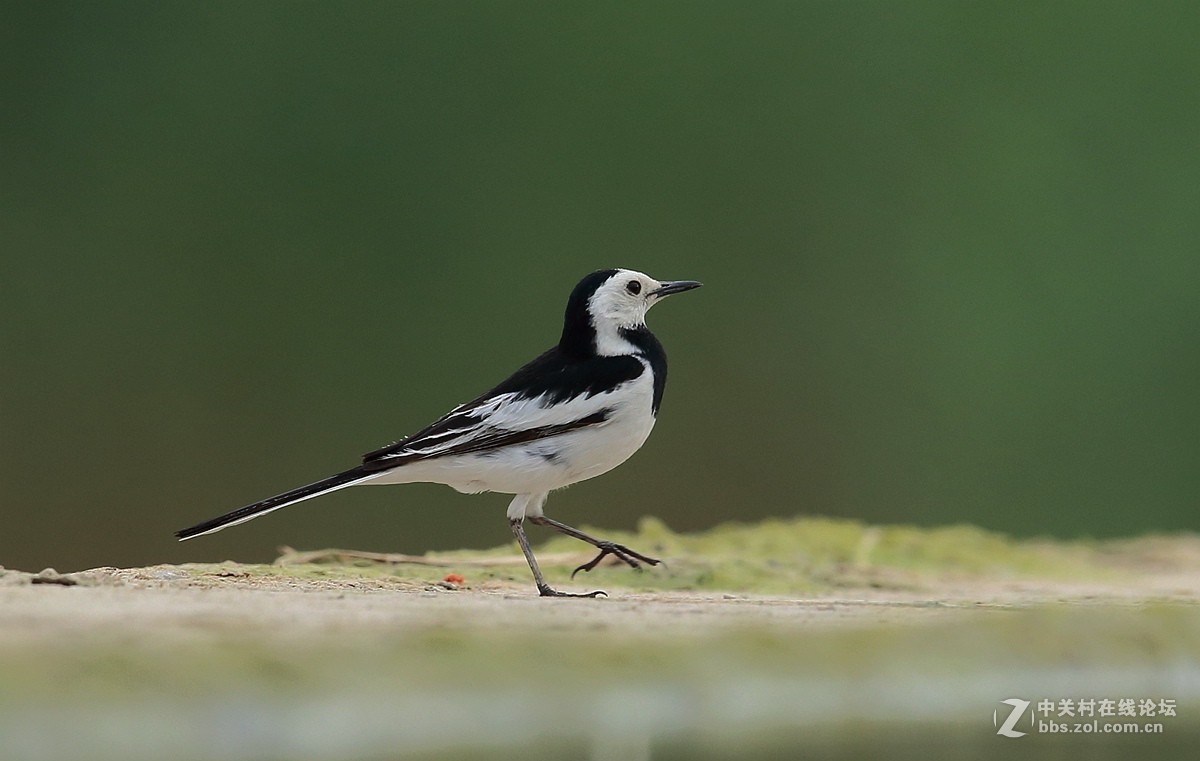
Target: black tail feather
(243, 514)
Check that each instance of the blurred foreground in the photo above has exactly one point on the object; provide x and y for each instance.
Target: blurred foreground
(894, 644)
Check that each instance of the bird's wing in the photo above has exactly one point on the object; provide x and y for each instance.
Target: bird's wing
(550, 396)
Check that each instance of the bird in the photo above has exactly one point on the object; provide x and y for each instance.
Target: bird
(576, 411)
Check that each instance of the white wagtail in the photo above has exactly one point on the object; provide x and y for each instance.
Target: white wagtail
(579, 410)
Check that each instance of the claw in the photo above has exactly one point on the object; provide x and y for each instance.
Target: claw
(621, 551)
(547, 591)
(593, 563)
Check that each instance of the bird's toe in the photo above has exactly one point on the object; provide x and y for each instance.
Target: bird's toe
(547, 591)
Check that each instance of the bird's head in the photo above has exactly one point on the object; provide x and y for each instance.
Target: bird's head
(607, 302)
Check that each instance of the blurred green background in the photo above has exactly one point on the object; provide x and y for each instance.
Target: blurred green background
(951, 254)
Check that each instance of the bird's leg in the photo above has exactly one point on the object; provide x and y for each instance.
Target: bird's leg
(619, 551)
(544, 589)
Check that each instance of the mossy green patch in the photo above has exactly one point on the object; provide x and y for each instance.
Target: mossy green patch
(779, 556)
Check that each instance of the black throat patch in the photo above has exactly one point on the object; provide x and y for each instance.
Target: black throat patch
(652, 349)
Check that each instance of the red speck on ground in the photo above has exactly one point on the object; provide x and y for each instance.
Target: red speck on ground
(453, 578)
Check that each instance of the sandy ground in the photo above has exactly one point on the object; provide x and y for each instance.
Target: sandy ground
(253, 662)
(172, 599)
(849, 574)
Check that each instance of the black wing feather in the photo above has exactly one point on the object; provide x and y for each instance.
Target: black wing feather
(554, 375)
(494, 439)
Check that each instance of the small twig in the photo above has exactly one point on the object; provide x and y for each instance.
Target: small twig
(290, 556)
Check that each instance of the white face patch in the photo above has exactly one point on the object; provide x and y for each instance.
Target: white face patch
(621, 302)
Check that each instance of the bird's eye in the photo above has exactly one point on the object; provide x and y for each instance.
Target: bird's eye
(634, 287)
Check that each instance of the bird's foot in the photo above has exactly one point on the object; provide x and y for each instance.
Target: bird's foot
(546, 591)
(619, 551)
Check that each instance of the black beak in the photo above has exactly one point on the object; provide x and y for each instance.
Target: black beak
(674, 286)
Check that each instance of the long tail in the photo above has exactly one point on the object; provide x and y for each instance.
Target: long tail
(243, 514)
